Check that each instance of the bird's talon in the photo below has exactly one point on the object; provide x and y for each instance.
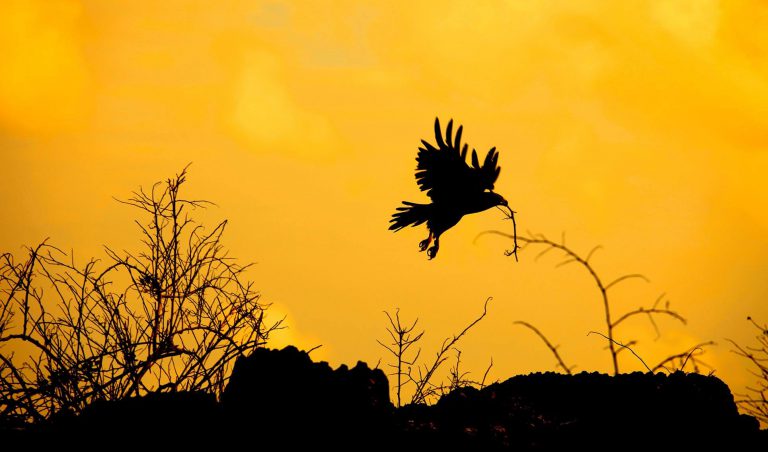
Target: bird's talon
(424, 244)
(432, 252)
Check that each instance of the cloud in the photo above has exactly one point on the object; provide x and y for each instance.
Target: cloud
(269, 118)
(692, 21)
(44, 76)
(290, 335)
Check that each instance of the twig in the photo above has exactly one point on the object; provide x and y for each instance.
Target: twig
(622, 346)
(684, 357)
(485, 374)
(571, 256)
(511, 216)
(402, 341)
(184, 314)
(423, 382)
(552, 348)
(756, 403)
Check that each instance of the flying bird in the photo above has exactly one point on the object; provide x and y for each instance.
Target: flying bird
(456, 188)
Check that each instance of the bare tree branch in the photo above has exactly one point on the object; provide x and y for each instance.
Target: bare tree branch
(173, 316)
(571, 256)
(423, 382)
(755, 401)
(691, 355)
(622, 346)
(552, 348)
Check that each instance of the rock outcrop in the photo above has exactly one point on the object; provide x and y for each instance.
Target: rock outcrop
(282, 399)
(550, 411)
(291, 401)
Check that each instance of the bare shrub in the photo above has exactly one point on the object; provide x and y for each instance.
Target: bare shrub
(552, 348)
(172, 316)
(612, 321)
(755, 401)
(421, 377)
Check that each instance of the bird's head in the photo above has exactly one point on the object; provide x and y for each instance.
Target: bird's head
(502, 201)
(494, 199)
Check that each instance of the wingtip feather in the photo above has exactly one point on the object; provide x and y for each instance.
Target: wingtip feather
(439, 134)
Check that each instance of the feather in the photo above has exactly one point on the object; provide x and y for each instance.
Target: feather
(444, 171)
(489, 158)
(439, 134)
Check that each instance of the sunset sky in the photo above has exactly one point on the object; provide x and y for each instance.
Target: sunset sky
(640, 126)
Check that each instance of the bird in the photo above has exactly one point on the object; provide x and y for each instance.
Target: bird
(455, 188)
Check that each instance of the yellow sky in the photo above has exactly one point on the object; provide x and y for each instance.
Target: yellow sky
(641, 126)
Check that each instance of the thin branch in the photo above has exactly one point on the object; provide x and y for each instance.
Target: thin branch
(684, 357)
(485, 374)
(552, 348)
(425, 378)
(179, 317)
(622, 346)
(569, 257)
(624, 278)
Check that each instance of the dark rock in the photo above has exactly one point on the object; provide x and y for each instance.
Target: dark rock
(282, 399)
(552, 411)
(286, 399)
(157, 420)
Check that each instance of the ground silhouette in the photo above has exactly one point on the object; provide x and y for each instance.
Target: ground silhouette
(282, 399)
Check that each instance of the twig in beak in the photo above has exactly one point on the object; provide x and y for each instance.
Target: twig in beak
(511, 216)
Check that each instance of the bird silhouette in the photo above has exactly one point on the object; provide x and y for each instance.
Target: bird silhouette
(456, 188)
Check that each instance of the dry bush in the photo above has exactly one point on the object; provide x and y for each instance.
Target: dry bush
(172, 316)
(611, 320)
(755, 402)
(421, 378)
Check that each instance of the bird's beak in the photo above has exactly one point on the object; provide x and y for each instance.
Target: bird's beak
(506, 204)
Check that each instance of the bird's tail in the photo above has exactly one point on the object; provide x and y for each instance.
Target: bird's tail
(410, 214)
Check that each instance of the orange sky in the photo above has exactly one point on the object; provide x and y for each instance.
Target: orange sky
(637, 125)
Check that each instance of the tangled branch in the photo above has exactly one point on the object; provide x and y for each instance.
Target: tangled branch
(552, 348)
(611, 322)
(755, 401)
(408, 372)
(173, 316)
(402, 341)
(688, 356)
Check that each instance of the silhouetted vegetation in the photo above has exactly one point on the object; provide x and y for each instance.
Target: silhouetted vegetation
(611, 320)
(169, 338)
(552, 348)
(171, 316)
(755, 402)
(679, 361)
(282, 399)
(403, 338)
(409, 372)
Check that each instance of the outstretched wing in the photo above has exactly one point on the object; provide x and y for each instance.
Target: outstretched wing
(443, 172)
